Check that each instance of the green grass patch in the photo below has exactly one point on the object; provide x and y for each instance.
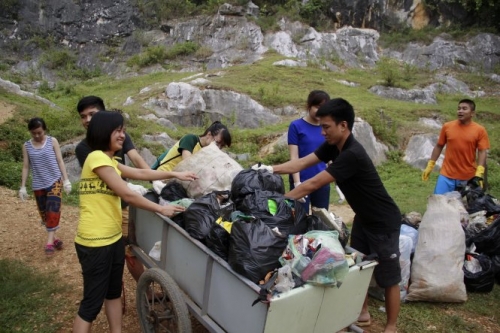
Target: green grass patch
(445, 317)
(29, 299)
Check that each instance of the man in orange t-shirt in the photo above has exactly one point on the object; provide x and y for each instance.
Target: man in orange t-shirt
(462, 138)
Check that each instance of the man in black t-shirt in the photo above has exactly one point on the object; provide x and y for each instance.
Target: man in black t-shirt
(377, 221)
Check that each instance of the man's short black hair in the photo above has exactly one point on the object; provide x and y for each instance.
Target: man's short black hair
(101, 127)
(339, 110)
(90, 102)
(471, 103)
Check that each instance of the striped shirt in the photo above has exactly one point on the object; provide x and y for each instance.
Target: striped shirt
(43, 164)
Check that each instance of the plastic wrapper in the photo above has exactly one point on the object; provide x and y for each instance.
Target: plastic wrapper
(317, 257)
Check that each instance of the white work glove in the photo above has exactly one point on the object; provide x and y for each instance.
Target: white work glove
(139, 189)
(260, 166)
(67, 186)
(303, 199)
(23, 195)
(158, 185)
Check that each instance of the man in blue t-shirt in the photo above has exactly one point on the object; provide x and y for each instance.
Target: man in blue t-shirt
(377, 221)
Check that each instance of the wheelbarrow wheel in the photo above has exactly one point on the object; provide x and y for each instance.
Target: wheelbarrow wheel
(160, 304)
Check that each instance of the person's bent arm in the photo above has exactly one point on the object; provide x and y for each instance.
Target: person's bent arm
(185, 154)
(481, 157)
(294, 155)
(115, 183)
(436, 152)
(148, 174)
(137, 160)
(321, 179)
(296, 165)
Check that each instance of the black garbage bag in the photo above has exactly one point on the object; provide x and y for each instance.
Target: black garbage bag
(254, 249)
(204, 211)
(275, 211)
(482, 281)
(249, 180)
(217, 240)
(173, 191)
(495, 263)
(179, 220)
(487, 241)
(315, 223)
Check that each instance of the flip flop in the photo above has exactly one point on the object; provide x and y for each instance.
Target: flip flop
(363, 323)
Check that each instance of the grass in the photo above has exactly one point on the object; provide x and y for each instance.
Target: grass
(29, 299)
(445, 317)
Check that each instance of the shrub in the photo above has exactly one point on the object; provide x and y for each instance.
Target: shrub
(152, 55)
(182, 49)
(57, 59)
(389, 71)
(11, 174)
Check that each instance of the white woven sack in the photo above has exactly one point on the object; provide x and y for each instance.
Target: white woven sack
(215, 169)
(436, 271)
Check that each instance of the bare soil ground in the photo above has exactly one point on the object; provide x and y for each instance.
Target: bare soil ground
(23, 238)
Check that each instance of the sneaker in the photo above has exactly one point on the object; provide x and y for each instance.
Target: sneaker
(49, 249)
(58, 244)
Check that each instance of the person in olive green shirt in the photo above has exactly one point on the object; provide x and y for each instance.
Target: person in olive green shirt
(190, 144)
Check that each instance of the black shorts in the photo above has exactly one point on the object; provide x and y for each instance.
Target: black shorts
(102, 269)
(386, 246)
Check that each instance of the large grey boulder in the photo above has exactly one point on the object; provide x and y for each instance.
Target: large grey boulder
(148, 157)
(188, 105)
(16, 89)
(163, 138)
(421, 96)
(363, 132)
(419, 150)
(447, 84)
(481, 52)
(230, 37)
(352, 46)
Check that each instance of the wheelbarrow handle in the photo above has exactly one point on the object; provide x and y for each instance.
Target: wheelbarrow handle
(367, 264)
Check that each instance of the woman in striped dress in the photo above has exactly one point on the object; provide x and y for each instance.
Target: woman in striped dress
(42, 155)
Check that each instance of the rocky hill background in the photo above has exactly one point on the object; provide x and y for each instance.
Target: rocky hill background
(47, 44)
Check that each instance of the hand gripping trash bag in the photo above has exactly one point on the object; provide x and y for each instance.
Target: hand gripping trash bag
(254, 249)
(317, 257)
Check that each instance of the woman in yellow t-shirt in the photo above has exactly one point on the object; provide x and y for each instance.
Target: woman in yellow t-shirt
(99, 243)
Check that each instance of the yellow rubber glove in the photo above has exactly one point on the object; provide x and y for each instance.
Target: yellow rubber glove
(428, 170)
(480, 174)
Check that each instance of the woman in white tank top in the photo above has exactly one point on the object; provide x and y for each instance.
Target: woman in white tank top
(42, 155)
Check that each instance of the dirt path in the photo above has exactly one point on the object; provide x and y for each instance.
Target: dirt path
(23, 238)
